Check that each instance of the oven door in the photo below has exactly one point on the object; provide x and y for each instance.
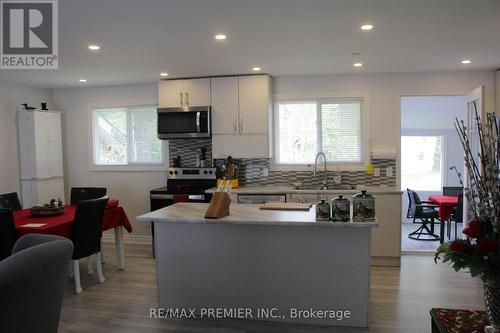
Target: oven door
(184, 122)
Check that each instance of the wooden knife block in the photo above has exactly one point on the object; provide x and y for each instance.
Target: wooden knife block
(219, 206)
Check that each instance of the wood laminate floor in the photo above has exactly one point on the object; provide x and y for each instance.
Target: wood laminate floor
(400, 299)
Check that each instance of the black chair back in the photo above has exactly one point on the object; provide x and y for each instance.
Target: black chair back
(453, 190)
(414, 201)
(86, 193)
(7, 233)
(10, 201)
(32, 281)
(87, 227)
(459, 211)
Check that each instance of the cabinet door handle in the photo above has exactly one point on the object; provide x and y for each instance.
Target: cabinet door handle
(235, 126)
(181, 99)
(241, 125)
(187, 99)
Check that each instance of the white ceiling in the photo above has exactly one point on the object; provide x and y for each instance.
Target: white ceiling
(140, 38)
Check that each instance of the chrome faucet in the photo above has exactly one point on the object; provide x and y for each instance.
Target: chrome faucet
(325, 183)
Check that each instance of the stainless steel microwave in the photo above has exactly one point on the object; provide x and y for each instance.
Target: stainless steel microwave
(191, 122)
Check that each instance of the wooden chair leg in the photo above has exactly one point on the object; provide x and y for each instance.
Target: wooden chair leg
(76, 272)
(98, 262)
(89, 265)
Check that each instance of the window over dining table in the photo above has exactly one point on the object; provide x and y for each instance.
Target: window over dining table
(126, 136)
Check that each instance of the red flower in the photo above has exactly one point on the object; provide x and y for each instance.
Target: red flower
(458, 246)
(487, 245)
(473, 229)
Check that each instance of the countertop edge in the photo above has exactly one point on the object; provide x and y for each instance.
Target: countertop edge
(268, 223)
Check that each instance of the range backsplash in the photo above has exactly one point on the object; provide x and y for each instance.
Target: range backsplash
(252, 169)
(252, 173)
(188, 150)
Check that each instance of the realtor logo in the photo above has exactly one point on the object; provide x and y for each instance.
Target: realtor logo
(29, 36)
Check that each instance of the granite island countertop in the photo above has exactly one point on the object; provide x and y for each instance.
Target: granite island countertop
(243, 214)
(264, 189)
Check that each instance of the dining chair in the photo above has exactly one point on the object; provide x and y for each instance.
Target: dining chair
(86, 236)
(10, 201)
(424, 211)
(7, 233)
(457, 215)
(452, 190)
(32, 283)
(86, 193)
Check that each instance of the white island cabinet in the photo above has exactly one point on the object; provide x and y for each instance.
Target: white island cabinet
(262, 265)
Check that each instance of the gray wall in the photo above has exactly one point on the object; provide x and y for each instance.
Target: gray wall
(12, 95)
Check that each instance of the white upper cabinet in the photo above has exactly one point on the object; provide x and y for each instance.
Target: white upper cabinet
(170, 93)
(254, 104)
(184, 93)
(224, 105)
(197, 92)
(40, 144)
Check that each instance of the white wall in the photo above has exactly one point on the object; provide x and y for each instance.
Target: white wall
(385, 91)
(131, 188)
(12, 95)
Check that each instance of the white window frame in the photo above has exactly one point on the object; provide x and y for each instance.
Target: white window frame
(363, 98)
(131, 166)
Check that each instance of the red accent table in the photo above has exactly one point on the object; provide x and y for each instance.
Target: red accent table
(446, 204)
(60, 225)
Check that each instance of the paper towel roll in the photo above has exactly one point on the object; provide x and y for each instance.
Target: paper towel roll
(388, 153)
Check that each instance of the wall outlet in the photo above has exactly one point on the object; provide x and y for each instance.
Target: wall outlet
(388, 171)
(376, 172)
(265, 172)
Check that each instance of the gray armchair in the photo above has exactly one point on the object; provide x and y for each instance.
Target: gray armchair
(32, 283)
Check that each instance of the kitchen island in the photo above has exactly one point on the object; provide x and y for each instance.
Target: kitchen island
(262, 265)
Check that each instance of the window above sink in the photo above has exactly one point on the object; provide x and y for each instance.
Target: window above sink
(334, 126)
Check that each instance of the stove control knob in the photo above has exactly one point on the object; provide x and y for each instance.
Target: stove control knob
(171, 172)
(176, 172)
(206, 172)
(210, 172)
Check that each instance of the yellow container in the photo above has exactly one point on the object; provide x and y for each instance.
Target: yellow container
(234, 182)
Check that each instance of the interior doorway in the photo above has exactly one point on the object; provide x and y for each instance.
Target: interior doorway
(430, 147)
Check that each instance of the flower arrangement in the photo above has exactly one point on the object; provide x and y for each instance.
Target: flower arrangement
(479, 252)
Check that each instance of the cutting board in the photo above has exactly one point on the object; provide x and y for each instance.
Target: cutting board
(286, 206)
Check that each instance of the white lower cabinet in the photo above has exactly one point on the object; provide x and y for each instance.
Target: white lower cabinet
(41, 191)
(240, 146)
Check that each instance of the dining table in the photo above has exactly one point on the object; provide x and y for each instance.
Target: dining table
(446, 205)
(61, 225)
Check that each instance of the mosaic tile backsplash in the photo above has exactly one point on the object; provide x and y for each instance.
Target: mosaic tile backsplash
(252, 169)
(188, 150)
(252, 173)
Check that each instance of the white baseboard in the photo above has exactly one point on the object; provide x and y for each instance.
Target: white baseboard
(128, 239)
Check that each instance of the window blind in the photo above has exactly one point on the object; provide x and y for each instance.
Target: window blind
(297, 132)
(341, 131)
(126, 136)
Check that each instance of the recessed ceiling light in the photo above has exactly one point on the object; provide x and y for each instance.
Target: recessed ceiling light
(357, 64)
(256, 69)
(466, 61)
(164, 74)
(83, 80)
(367, 27)
(94, 47)
(220, 37)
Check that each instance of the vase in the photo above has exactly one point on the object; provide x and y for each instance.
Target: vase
(492, 302)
